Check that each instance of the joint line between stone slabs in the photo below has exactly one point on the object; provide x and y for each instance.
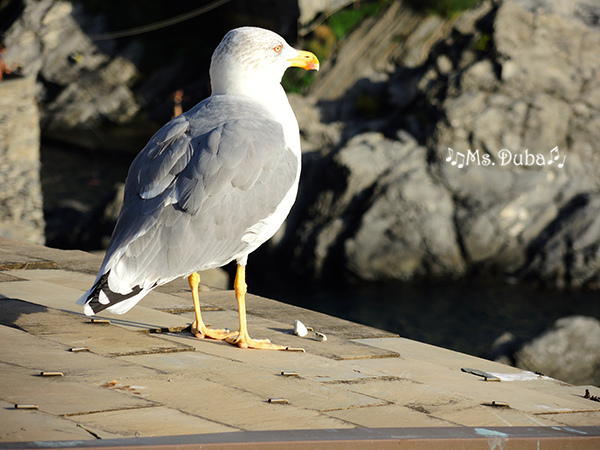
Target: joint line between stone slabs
(154, 351)
(132, 408)
(160, 330)
(89, 431)
(347, 408)
(357, 358)
(368, 379)
(570, 411)
(29, 265)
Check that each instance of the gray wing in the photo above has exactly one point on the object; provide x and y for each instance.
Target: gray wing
(193, 191)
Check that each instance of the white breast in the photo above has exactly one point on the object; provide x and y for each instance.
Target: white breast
(262, 231)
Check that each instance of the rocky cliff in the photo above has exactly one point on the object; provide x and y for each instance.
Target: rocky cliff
(87, 76)
(433, 148)
(483, 159)
(79, 85)
(21, 211)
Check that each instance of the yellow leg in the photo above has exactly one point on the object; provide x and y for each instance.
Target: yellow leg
(242, 339)
(198, 328)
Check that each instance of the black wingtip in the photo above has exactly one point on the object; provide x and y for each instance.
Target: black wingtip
(113, 297)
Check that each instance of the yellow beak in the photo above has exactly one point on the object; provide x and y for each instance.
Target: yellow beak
(305, 60)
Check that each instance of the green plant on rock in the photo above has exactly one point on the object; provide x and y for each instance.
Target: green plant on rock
(444, 8)
(483, 43)
(346, 20)
(324, 39)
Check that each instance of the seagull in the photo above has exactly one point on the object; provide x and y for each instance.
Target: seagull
(211, 185)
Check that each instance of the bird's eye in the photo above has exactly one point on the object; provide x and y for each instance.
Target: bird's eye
(277, 48)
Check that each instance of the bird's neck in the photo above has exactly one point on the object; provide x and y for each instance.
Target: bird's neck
(274, 99)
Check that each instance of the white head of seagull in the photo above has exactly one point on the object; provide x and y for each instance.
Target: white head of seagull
(251, 61)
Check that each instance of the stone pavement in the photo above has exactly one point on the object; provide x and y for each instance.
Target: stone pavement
(144, 375)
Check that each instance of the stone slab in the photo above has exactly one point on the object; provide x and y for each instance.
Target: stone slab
(481, 416)
(83, 281)
(436, 402)
(306, 365)
(264, 383)
(74, 260)
(30, 425)
(40, 354)
(436, 355)
(579, 419)
(77, 331)
(158, 421)
(388, 416)
(231, 406)
(336, 347)
(145, 318)
(61, 278)
(427, 368)
(8, 276)
(281, 312)
(52, 295)
(57, 296)
(60, 395)
(359, 377)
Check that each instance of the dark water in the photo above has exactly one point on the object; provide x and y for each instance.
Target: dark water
(74, 174)
(465, 316)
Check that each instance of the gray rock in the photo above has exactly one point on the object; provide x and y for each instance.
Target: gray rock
(504, 348)
(567, 252)
(379, 199)
(315, 135)
(21, 210)
(390, 220)
(309, 9)
(568, 351)
(523, 98)
(93, 97)
(81, 85)
(544, 52)
(407, 230)
(510, 88)
(586, 11)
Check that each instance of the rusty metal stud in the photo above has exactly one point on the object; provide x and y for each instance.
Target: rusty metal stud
(79, 349)
(499, 404)
(491, 379)
(295, 349)
(19, 406)
(105, 321)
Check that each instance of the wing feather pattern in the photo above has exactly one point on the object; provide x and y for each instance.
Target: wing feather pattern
(194, 191)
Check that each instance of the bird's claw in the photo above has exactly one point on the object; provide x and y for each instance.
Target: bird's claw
(263, 344)
(216, 334)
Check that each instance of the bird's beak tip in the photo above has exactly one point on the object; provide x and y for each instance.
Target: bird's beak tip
(305, 60)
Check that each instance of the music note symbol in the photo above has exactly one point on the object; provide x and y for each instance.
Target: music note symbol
(461, 164)
(555, 158)
(562, 164)
(449, 158)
